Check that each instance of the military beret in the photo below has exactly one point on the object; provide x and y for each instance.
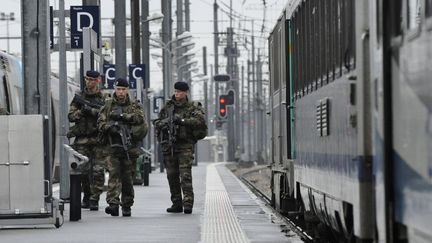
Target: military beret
(181, 86)
(92, 74)
(122, 82)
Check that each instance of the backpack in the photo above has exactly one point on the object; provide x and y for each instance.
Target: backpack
(201, 131)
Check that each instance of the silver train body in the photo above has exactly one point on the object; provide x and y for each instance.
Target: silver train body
(12, 96)
(351, 97)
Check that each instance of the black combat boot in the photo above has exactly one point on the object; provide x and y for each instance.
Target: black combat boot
(112, 209)
(94, 205)
(126, 211)
(187, 210)
(175, 209)
(85, 202)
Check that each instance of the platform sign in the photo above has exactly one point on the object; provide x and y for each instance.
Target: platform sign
(109, 73)
(51, 28)
(136, 71)
(83, 16)
(157, 103)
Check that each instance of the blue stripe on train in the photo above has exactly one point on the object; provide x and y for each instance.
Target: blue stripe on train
(359, 167)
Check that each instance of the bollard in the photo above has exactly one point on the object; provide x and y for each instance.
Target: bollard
(75, 197)
(146, 172)
(75, 163)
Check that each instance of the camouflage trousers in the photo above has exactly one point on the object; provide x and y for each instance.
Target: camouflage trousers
(93, 176)
(121, 172)
(179, 174)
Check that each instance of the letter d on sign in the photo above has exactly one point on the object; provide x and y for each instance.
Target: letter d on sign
(79, 16)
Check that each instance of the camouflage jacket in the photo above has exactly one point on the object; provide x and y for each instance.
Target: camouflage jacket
(192, 116)
(85, 124)
(134, 119)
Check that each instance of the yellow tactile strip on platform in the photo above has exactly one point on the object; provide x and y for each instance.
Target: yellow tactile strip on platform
(220, 223)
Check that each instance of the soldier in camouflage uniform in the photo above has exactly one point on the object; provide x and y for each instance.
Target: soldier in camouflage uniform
(178, 156)
(86, 140)
(122, 123)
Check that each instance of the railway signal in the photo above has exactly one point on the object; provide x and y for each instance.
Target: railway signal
(229, 97)
(224, 101)
(222, 106)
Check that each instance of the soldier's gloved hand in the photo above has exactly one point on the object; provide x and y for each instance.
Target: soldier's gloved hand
(116, 116)
(127, 117)
(87, 110)
(178, 120)
(113, 129)
(159, 124)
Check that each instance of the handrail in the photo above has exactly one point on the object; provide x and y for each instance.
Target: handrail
(80, 157)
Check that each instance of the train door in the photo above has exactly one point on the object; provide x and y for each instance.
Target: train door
(411, 116)
(290, 98)
(377, 113)
(407, 118)
(275, 54)
(283, 91)
(282, 167)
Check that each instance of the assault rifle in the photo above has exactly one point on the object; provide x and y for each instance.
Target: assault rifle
(123, 132)
(169, 130)
(81, 102)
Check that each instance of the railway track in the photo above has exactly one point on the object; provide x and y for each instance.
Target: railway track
(289, 223)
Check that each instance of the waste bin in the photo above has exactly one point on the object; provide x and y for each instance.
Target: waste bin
(143, 168)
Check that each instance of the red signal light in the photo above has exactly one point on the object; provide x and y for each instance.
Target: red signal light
(222, 108)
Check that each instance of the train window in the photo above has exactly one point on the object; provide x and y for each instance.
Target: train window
(5, 95)
(276, 59)
(378, 18)
(413, 14)
(2, 94)
(428, 8)
(323, 43)
(395, 18)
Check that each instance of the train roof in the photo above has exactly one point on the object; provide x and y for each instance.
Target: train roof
(291, 6)
(287, 11)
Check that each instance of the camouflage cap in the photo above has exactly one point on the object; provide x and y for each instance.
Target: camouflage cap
(122, 82)
(181, 86)
(92, 74)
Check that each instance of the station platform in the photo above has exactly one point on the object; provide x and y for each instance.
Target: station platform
(224, 211)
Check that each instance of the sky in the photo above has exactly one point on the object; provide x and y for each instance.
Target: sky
(244, 13)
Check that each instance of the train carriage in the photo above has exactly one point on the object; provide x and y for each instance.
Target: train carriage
(402, 120)
(12, 97)
(281, 130)
(343, 159)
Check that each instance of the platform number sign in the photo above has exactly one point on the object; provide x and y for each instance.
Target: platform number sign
(51, 28)
(136, 71)
(109, 73)
(81, 17)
